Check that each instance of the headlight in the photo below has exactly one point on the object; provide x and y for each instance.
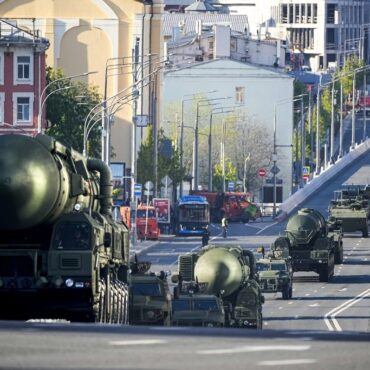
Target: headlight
(210, 325)
(69, 283)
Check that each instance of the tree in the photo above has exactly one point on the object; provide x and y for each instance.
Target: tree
(167, 165)
(66, 111)
(230, 175)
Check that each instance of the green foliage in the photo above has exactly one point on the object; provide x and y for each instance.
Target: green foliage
(166, 166)
(230, 175)
(67, 107)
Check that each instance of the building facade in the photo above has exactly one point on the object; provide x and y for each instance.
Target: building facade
(256, 92)
(109, 37)
(22, 79)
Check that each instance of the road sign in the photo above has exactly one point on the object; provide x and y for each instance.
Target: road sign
(305, 170)
(137, 190)
(261, 172)
(275, 170)
(148, 185)
(231, 186)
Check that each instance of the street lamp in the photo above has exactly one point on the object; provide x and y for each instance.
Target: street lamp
(210, 168)
(275, 146)
(194, 97)
(245, 172)
(42, 100)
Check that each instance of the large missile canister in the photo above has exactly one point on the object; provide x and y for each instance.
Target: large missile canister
(32, 186)
(222, 270)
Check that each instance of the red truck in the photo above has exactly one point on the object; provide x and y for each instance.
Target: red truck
(146, 221)
(363, 102)
(236, 206)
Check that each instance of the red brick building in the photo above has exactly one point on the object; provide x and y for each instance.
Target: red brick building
(22, 78)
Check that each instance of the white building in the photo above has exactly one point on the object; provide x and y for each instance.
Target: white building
(258, 91)
(320, 33)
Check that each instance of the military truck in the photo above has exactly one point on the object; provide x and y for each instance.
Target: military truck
(310, 246)
(350, 214)
(191, 307)
(61, 253)
(335, 231)
(275, 275)
(228, 271)
(150, 299)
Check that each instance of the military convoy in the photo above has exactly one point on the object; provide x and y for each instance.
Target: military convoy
(61, 252)
(230, 272)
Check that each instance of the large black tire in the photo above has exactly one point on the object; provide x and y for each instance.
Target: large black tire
(365, 232)
(290, 292)
(338, 257)
(285, 291)
(324, 274)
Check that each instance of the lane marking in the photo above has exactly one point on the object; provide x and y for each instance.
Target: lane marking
(314, 305)
(302, 361)
(266, 227)
(222, 351)
(137, 342)
(329, 317)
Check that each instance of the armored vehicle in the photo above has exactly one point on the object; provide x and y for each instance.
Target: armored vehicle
(275, 275)
(193, 308)
(228, 271)
(335, 232)
(310, 247)
(150, 299)
(61, 253)
(351, 215)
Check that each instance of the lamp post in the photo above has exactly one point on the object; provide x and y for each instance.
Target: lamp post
(182, 128)
(210, 168)
(245, 172)
(275, 146)
(42, 100)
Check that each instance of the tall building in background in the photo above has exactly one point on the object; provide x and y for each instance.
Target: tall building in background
(115, 38)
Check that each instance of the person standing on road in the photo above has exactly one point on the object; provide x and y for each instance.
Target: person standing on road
(224, 225)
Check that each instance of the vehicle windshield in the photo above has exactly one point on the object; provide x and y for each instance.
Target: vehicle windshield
(205, 305)
(142, 213)
(70, 235)
(262, 266)
(144, 289)
(278, 267)
(181, 305)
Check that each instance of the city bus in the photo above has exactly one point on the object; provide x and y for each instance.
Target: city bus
(193, 216)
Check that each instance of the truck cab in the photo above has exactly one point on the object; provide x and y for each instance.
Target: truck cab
(151, 301)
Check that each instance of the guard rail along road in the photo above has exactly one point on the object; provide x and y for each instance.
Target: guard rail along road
(325, 175)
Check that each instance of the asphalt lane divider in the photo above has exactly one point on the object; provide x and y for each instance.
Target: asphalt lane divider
(330, 318)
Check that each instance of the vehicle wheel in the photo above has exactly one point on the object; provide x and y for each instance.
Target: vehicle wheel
(365, 232)
(100, 306)
(338, 259)
(324, 274)
(290, 292)
(285, 291)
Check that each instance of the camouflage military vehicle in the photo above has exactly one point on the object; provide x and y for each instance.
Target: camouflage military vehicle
(150, 299)
(275, 275)
(228, 271)
(62, 255)
(350, 215)
(190, 307)
(335, 232)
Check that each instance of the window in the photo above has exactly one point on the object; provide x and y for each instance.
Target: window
(23, 109)
(239, 95)
(23, 67)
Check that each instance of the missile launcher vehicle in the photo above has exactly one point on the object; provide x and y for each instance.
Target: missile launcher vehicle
(228, 271)
(61, 253)
(309, 243)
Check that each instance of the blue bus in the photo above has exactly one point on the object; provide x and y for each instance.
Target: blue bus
(193, 216)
